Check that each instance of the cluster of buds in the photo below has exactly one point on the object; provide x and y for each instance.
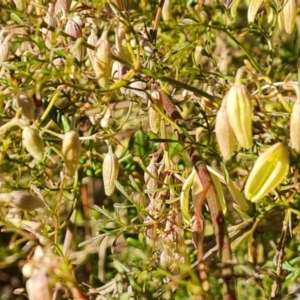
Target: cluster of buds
(235, 117)
(268, 172)
(110, 171)
(286, 17)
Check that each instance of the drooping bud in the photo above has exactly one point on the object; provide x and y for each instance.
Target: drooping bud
(102, 60)
(154, 116)
(27, 105)
(72, 28)
(33, 143)
(121, 44)
(92, 40)
(49, 36)
(254, 5)
(22, 200)
(239, 112)
(268, 172)
(295, 126)
(151, 181)
(289, 13)
(71, 148)
(62, 6)
(224, 133)
(110, 171)
(4, 49)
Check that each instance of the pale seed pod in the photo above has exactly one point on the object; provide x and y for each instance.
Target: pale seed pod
(254, 5)
(102, 60)
(71, 148)
(239, 112)
(110, 171)
(295, 127)
(224, 133)
(33, 143)
(23, 200)
(27, 105)
(154, 116)
(289, 13)
(268, 172)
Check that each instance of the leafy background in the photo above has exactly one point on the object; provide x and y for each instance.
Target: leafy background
(135, 244)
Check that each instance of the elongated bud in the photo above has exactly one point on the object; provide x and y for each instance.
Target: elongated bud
(295, 126)
(49, 36)
(166, 10)
(185, 197)
(33, 143)
(121, 44)
(72, 28)
(62, 6)
(20, 4)
(239, 112)
(4, 49)
(289, 13)
(253, 9)
(22, 200)
(102, 61)
(92, 40)
(268, 172)
(27, 105)
(154, 116)
(110, 171)
(151, 183)
(71, 148)
(224, 133)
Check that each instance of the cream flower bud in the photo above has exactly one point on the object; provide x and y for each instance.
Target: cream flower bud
(289, 13)
(33, 143)
(71, 149)
(239, 112)
(110, 171)
(224, 133)
(268, 172)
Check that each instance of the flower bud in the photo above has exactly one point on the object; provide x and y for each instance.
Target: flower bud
(22, 200)
(268, 172)
(121, 44)
(92, 40)
(27, 105)
(224, 133)
(254, 5)
(151, 183)
(48, 35)
(295, 126)
(72, 28)
(239, 113)
(154, 116)
(62, 6)
(4, 49)
(110, 171)
(20, 4)
(106, 118)
(33, 143)
(289, 13)
(71, 148)
(102, 61)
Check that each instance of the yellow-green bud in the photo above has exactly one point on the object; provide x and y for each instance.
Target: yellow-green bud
(268, 172)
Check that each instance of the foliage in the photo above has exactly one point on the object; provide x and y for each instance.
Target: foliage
(141, 84)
